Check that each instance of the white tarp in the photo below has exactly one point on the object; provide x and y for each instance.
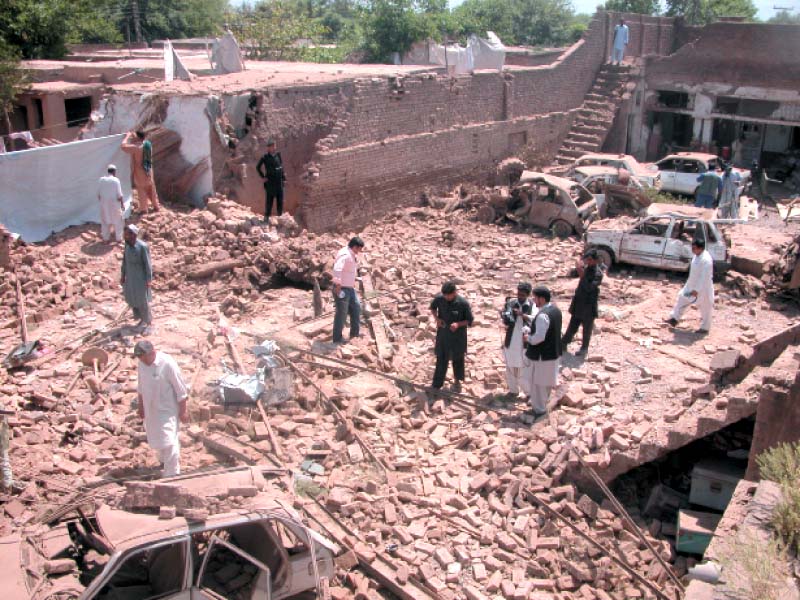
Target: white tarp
(173, 65)
(45, 190)
(479, 53)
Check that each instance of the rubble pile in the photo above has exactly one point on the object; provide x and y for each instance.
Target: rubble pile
(782, 272)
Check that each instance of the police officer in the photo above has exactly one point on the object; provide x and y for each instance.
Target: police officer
(270, 168)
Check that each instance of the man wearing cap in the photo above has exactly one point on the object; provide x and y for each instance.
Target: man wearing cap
(583, 308)
(453, 315)
(137, 275)
(109, 193)
(544, 350)
(515, 316)
(162, 403)
(270, 168)
(141, 151)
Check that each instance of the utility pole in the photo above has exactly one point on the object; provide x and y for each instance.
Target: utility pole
(137, 25)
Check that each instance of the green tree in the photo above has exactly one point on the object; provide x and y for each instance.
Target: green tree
(643, 7)
(393, 26)
(36, 28)
(702, 12)
(784, 17)
(180, 18)
(13, 80)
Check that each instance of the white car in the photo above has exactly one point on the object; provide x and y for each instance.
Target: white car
(662, 240)
(679, 172)
(647, 175)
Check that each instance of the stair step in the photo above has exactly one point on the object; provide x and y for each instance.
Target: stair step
(588, 129)
(588, 145)
(571, 153)
(598, 104)
(575, 136)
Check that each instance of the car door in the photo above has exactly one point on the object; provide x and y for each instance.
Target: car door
(644, 244)
(686, 174)
(667, 168)
(546, 205)
(678, 251)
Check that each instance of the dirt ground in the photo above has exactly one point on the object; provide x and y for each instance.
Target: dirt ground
(449, 493)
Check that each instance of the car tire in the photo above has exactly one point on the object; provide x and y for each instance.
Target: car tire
(605, 257)
(561, 229)
(486, 214)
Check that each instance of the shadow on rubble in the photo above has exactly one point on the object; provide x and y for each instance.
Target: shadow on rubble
(100, 248)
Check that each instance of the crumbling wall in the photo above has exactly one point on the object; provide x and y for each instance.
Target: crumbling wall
(646, 35)
(351, 186)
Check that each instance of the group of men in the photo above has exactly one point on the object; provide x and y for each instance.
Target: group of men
(719, 188)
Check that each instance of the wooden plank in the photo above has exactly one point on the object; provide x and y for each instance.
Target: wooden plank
(379, 569)
(376, 322)
(276, 447)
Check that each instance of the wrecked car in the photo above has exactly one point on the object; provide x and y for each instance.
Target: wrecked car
(543, 200)
(616, 190)
(262, 550)
(679, 172)
(662, 240)
(647, 175)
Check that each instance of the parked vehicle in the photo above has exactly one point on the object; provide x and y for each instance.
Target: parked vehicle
(647, 175)
(662, 240)
(679, 172)
(616, 190)
(543, 200)
(261, 551)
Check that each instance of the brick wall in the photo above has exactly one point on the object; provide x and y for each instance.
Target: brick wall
(353, 185)
(647, 35)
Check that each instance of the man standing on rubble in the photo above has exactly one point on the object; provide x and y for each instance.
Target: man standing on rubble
(515, 315)
(137, 275)
(699, 288)
(708, 190)
(270, 168)
(544, 350)
(109, 193)
(583, 308)
(729, 194)
(621, 35)
(162, 403)
(453, 315)
(345, 270)
(141, 151)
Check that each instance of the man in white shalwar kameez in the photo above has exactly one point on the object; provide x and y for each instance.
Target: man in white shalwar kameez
(544, 351)
(699, 288)
(621, 37)
(162, 403)
(109, 193)
(516, 315)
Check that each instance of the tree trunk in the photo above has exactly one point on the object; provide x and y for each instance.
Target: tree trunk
(8, 122)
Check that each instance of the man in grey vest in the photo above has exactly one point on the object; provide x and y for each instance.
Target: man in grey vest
(544, 351)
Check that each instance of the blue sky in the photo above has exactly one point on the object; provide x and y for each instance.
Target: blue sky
(765, 7)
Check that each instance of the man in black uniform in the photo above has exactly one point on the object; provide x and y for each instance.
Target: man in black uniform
(583, 307)
(453, 315)
(270, 168)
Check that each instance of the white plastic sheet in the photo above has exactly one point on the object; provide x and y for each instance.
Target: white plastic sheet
(480, 53)
(45, 190)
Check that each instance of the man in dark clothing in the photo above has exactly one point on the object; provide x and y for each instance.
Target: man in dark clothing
(270, 168)
(453, 315)
(583, 307)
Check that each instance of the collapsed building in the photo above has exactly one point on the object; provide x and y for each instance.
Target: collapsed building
(457, 498)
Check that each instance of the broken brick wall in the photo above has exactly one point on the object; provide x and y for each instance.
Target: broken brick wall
(358, 184)
(646, 35)
(733, 55)
(402, 135)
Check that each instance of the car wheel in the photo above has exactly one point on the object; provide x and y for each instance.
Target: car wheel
(486, 214)
(604, 257)
(561, 229)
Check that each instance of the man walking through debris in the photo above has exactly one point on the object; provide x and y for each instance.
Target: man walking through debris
(729, 194)
(162, 403)
(621, 35)
(109, 193)
(141, 151)
(583, 308)
(699, 288)
(345, 270)
(453, 315)
(137, 275)
(270, 168)
(544, 350)
(708, 190)
(516, 314)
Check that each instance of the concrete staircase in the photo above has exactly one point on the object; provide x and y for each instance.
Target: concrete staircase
(596, 115)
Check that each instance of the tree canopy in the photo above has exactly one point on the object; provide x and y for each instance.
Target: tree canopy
(702, 12)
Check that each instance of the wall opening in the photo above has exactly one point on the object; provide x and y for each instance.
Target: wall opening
(78, 110)
(673, 99)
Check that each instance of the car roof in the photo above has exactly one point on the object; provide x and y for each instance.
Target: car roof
(680, 211)
(696, 155)
(597, 169)
(559, 182)
(123, 529)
